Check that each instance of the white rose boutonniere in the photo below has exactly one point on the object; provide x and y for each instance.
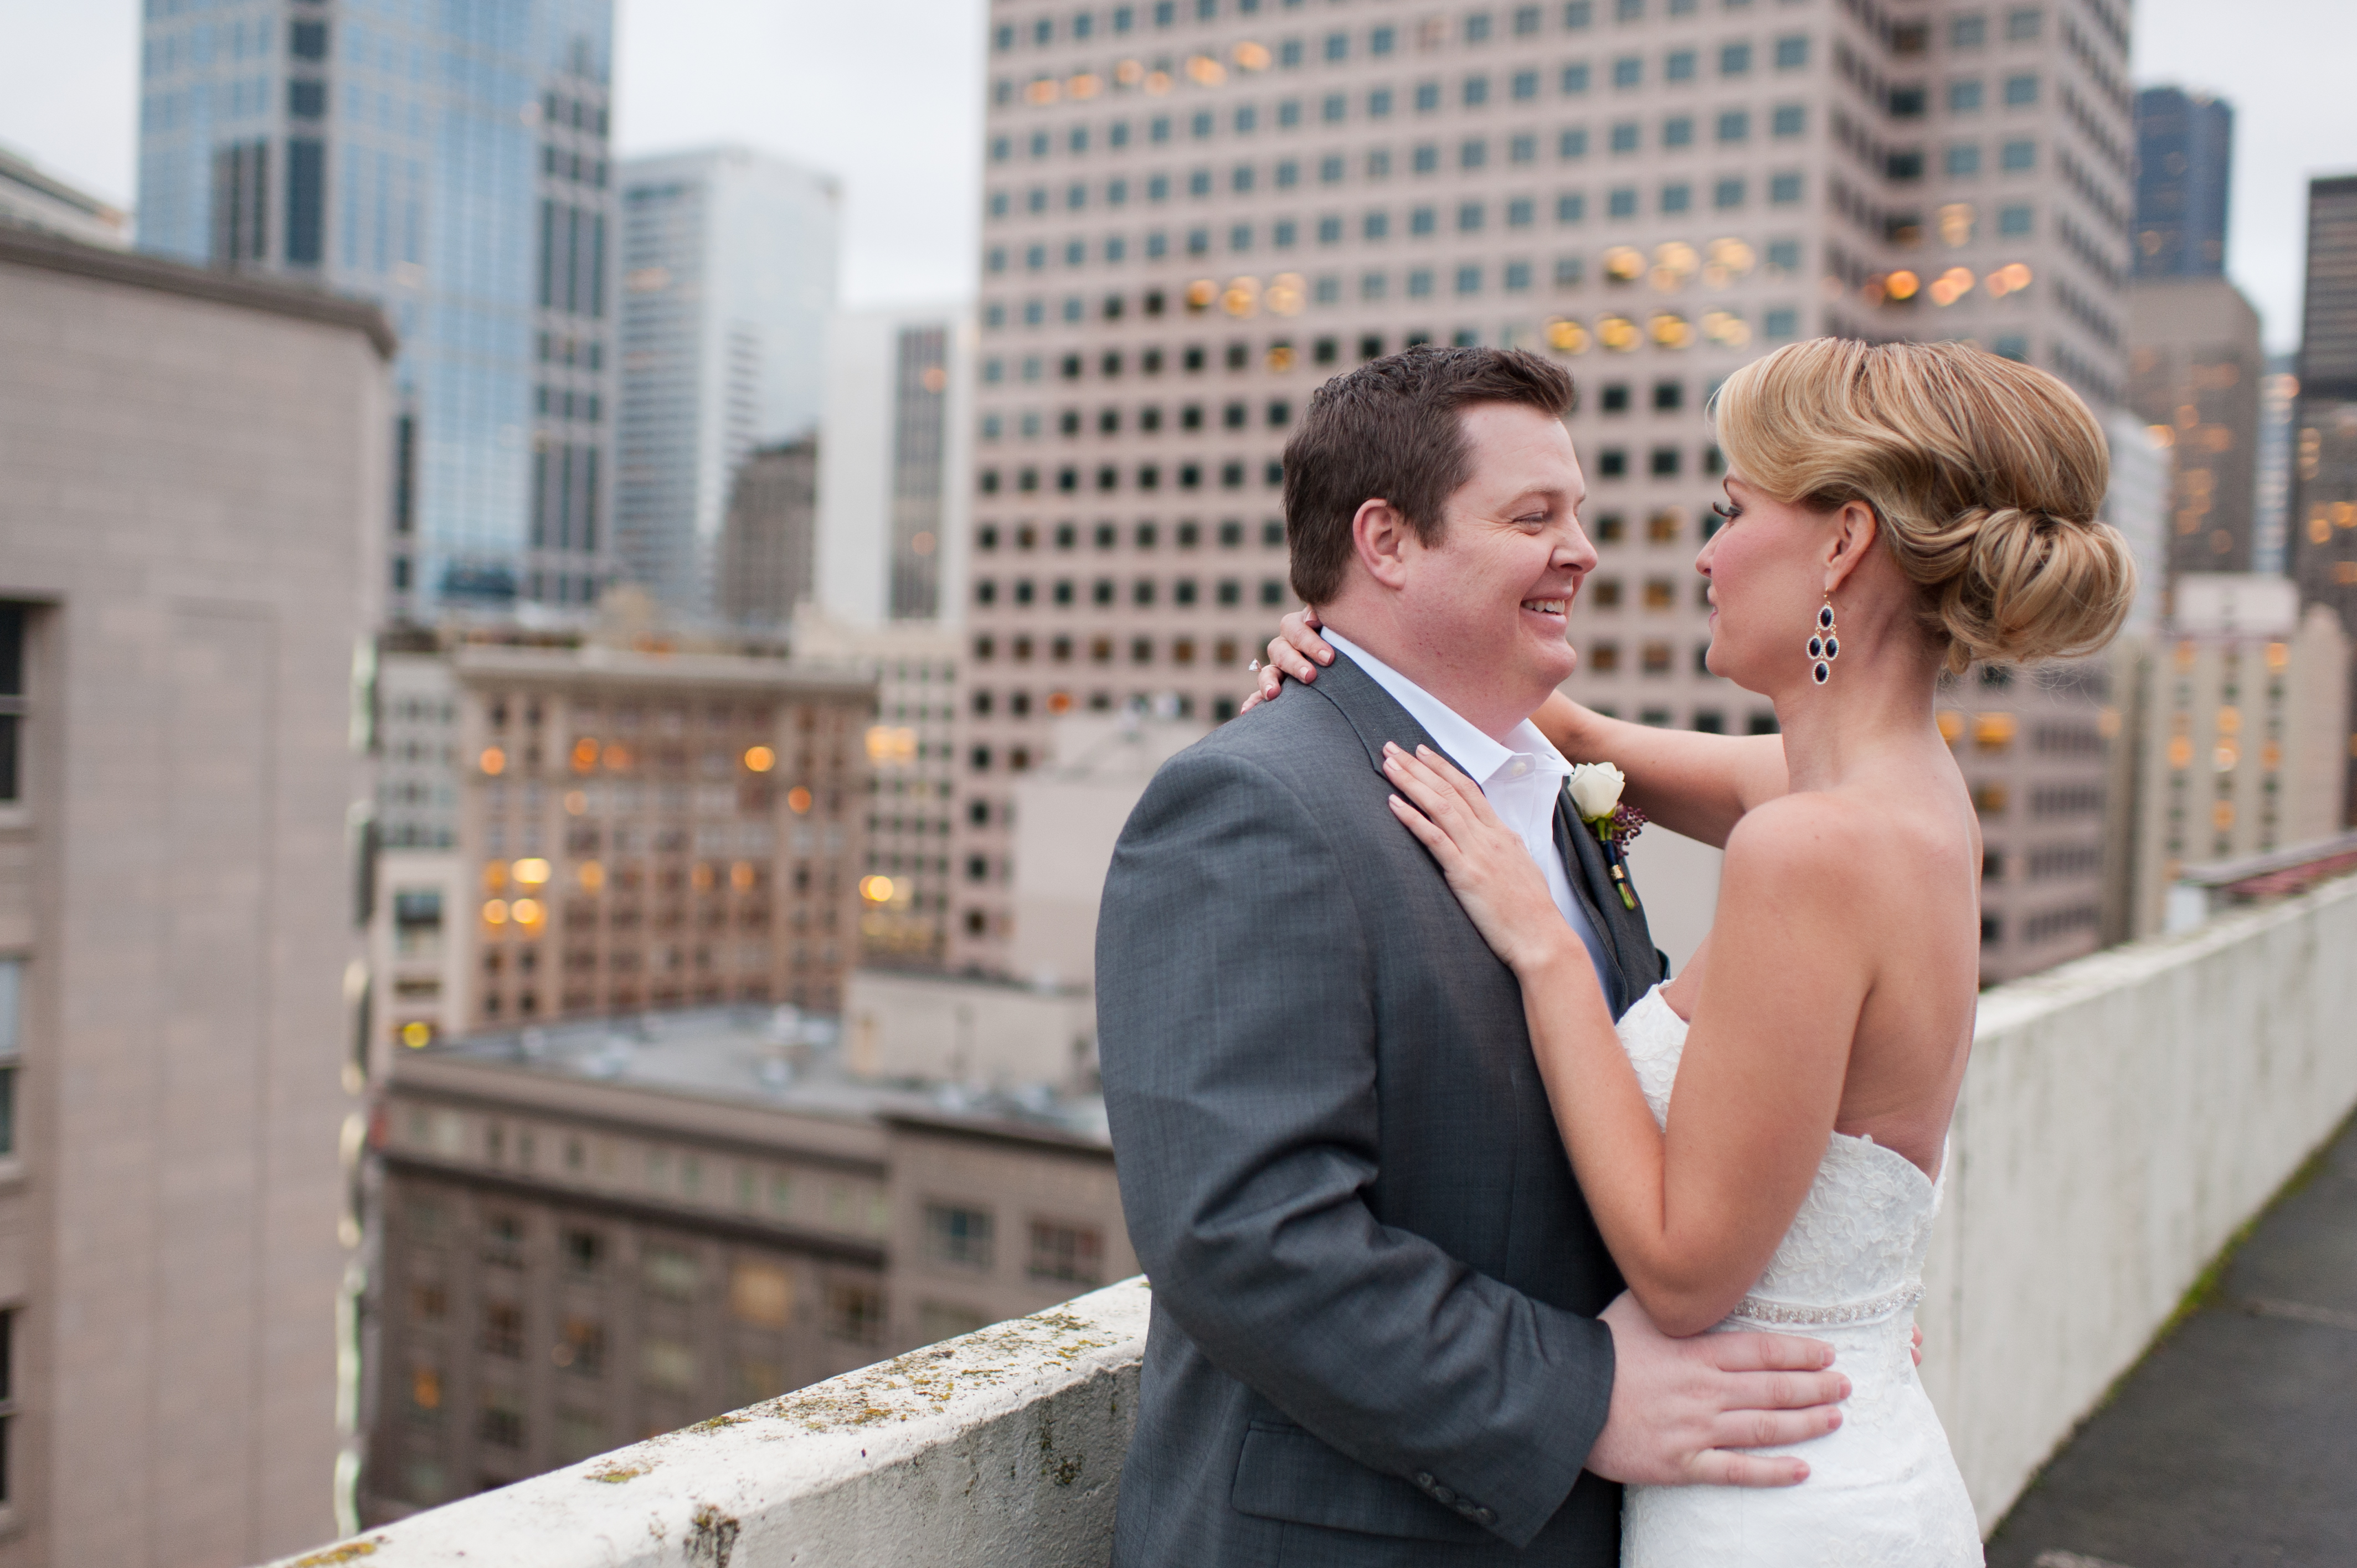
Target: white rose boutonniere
(1595, 789)
(1596, 795)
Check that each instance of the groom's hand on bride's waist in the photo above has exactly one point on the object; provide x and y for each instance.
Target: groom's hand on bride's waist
(1681, 1409)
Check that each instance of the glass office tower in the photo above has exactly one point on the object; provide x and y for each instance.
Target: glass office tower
(2185, 158)
(450, 162)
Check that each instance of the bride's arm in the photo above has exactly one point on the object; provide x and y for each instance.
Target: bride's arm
(1692, 1214)
(1698, 785)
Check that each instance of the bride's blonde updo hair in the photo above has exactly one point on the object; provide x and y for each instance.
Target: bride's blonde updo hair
(1985, 473)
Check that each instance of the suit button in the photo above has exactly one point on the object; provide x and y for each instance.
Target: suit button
(1444, 1493)
(1424, 1479)
(1484, 1516)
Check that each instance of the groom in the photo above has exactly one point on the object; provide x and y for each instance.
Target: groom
(1376, 1335)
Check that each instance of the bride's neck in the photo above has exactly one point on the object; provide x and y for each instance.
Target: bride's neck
(1877, 699)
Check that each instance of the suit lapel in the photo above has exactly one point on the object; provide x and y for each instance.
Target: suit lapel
(1374, 714)
(1590, 879)
(1626, 931)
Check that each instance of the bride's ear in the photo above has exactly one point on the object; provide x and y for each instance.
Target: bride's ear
(1853, 530)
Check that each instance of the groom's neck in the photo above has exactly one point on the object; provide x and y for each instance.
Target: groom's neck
(1420, 654)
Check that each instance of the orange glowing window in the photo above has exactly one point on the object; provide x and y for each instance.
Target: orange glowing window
(798, 800)
(1995, 731)
(761, 758)
(494, 761)
(585, 755)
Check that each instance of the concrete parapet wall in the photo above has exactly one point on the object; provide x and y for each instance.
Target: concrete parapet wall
(2123, 1117)
(1001, 1449)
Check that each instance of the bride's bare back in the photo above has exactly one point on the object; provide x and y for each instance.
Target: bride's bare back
(1909, 854)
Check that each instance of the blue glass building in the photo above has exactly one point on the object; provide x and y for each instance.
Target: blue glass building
(449, 159)
(2185, 157)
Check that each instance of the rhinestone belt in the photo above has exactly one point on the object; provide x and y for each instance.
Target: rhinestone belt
(1760, 1309)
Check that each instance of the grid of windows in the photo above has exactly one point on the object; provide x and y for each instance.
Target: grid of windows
(1630, 180)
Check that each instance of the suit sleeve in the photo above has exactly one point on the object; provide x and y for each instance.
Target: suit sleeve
(1237, 1034)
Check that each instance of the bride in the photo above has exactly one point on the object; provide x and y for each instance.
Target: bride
(1762, 1140)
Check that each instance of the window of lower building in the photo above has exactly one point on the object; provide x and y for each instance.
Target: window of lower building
(959, 1236)
(1071, 1254)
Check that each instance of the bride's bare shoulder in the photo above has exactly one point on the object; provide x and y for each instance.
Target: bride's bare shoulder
(1838, 843)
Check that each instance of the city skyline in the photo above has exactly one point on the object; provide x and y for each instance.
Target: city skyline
(799, 84)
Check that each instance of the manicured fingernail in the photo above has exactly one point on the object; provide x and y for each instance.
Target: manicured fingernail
(1390, 747)
(1326, 659)
(1845, 1386)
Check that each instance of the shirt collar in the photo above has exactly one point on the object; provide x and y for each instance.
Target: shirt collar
(1481, 757)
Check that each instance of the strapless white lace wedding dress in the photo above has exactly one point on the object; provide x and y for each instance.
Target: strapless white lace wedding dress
(1883, 1489)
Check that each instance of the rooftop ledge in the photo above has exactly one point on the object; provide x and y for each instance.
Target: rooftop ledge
(1001, 1447)
(2123, 1115)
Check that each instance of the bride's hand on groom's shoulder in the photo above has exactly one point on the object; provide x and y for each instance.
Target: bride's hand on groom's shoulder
(1488, 867)
(1296, 651)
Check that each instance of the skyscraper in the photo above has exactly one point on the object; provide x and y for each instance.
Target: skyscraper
(729, 269)
(892, 479)
(2323, 512)
(2184, 169)
(1196, 214)
(2195, 373)
(451, 165)
(771, 537)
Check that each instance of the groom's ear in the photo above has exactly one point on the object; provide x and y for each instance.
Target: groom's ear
(1379, 538)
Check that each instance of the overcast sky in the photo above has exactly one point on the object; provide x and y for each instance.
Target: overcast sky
(888, 95)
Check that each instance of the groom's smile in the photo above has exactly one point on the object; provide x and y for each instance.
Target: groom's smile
(1489, 602)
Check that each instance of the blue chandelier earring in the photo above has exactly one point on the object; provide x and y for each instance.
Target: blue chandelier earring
(1825, 645)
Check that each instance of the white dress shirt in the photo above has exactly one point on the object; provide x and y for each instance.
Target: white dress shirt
(1521, 779)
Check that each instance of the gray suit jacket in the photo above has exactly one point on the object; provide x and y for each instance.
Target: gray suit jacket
(1374, 1336)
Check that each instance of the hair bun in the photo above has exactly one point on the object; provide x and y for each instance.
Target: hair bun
(1985, 473)
(2033, 586)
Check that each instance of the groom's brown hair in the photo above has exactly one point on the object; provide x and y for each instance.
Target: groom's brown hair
(1389, 431)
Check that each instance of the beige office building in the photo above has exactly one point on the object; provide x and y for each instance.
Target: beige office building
(2238, 746)
(911, 745)
(2195, 369)
(195, 483)
(654, 829)
(593, 1232)
(1196, 213)
(2035, 748)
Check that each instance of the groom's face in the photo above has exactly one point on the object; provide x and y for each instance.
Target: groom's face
(1491, 598)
